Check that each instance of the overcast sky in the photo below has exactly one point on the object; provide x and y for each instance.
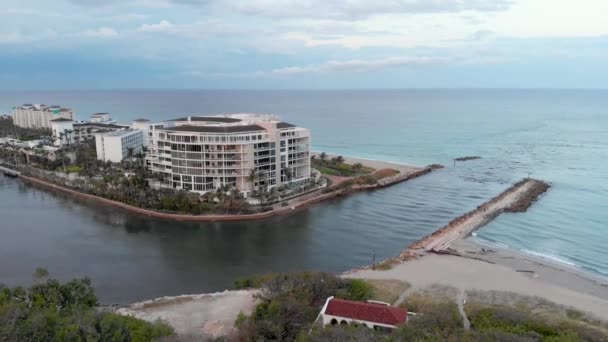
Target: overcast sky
(310, 44)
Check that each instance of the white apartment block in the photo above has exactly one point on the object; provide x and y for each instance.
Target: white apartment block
(204, 153)
(39, 115)
(116, 146)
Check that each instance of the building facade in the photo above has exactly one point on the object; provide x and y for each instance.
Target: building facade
(142, 125)
(118, 145)
(204, 153)
(39, 115)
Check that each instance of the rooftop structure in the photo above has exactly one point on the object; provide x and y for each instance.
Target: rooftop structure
(39, 115)
(204, 153)
(103, 118)
(375, 315)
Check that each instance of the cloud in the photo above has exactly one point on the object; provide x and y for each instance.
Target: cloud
(480, 35)
(358, 9)
(162, 26)
(93, 3)
(102, 32)
(358, 66)
(18, 37)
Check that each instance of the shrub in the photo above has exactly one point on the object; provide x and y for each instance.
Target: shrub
(289, 303)
(359, 290)
(67, 312)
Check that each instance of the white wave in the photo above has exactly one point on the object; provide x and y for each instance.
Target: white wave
(551, 257)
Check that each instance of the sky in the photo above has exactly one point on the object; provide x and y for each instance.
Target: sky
(303, 44)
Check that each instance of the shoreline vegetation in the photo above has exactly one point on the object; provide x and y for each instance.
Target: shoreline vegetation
(303, 203)
(126, 185)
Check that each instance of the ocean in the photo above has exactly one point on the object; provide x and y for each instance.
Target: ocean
(560, 136)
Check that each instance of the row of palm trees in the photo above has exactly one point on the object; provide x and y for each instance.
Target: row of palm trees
(68, 135)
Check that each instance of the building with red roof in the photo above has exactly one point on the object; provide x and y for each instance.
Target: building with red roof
(374, 315)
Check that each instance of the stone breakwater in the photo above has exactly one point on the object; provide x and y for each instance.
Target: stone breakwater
(517, 198)
(467, 158)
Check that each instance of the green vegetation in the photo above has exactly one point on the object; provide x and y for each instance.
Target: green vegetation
(508, 322)
(52, 311)
(289, 303)
(127, 182)
(8, 129)
(337, 167)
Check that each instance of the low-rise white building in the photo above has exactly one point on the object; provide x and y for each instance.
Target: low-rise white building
(118, 145)
(39, 115)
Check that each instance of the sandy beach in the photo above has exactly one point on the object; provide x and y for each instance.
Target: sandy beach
(496, 271)
(376, 164)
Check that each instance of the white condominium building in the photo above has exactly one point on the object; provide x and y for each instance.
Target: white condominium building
(201, 154)
(118, 145)
(39, 115)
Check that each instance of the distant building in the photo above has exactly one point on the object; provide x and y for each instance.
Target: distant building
(116, 146)
(103, 118)
(39, 115)
(372, 314)
(86, 130)
(204, 153)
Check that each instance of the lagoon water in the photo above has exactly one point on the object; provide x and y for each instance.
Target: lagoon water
(557, 135)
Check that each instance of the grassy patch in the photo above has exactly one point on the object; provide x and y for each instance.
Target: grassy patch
(337, 167)
(385, 173)
(385, 265)
(387, 290)
(73, 169)
(429, 298)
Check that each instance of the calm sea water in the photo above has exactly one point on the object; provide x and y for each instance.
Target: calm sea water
(557, 135)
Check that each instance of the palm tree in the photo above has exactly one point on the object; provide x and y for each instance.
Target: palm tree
(339, 159)
(323, 156)
(68, 135)
(252, 177)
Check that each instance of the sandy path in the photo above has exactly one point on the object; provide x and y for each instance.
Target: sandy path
(468, 274)
(210, 315)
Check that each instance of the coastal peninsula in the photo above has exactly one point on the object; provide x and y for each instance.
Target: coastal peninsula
(134, 181)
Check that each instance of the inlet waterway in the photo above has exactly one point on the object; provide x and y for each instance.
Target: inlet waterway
(558, 136)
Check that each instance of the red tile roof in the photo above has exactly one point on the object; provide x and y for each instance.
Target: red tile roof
(371, 312)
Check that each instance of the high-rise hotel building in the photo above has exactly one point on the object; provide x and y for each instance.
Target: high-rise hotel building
(203, 153)
(39, 115)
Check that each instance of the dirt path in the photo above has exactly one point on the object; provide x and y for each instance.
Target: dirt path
(208, 315)
(460, 301)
